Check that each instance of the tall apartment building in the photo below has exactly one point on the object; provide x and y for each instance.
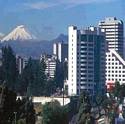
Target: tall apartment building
(114, 33)
(61, 51)
(114, 56)
(51, 62)
(86, 60)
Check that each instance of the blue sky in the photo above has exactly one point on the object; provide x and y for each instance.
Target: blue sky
(48, 18)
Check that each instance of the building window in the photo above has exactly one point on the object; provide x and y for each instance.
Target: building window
(83, 80)
(83, 38)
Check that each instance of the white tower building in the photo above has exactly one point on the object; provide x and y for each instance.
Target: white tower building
(60, 49)
(114, 33)
(114, 57)
(86, 65)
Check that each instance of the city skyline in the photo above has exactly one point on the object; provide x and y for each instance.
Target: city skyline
(47, 19)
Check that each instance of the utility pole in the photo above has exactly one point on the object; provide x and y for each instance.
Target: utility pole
(63, 95)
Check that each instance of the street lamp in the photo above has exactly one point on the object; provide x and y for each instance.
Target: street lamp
(15, 113)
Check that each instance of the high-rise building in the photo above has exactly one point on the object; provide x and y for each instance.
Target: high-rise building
(51, 63)
(61, 51)
(114, 56)
(86, 60)
(115, 68)
(21, 63)
(114, 33)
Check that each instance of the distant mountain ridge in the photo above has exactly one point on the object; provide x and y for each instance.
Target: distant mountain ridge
(34, 48)
(19, 36)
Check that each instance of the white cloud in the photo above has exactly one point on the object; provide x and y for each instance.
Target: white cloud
(78, 2)
(39, 5)
(67, 3)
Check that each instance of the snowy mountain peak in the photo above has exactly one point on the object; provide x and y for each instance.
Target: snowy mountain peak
(19, 33)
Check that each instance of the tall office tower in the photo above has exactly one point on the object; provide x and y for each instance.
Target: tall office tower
(61, 51)
(114, 33)
(86, 60)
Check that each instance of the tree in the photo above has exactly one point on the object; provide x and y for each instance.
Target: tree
(25, 111)
(54, 113)
(33, 78)
(9, 68)
(25, 78)
(7, 105)
(84, 113)
(116, 89)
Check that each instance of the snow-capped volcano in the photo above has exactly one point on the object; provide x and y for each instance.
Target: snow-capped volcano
(19, 33)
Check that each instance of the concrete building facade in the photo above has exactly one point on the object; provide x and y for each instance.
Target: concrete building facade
(21, 63)
(115, 68)
(51, 62)
(60, 49)
(114, 33)
(86, 63)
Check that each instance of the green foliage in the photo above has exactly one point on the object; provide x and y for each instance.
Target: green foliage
(53, 113)
(118, 92)
(24, 108)
(9, 70)
(116, 89)
(84, 113)
(33, 78)
(7, 105)
(25, 111)
(21, 121)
